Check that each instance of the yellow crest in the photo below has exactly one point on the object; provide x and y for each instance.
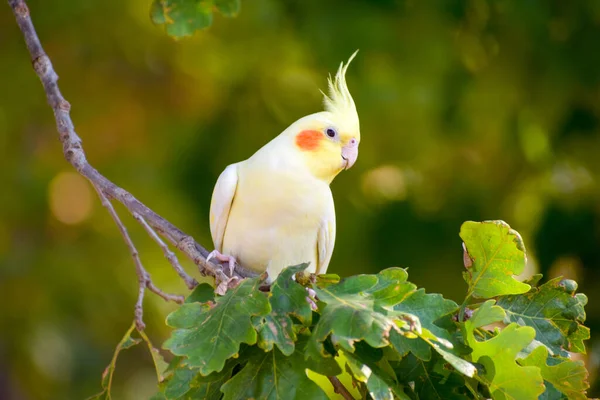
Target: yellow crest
(339, 101)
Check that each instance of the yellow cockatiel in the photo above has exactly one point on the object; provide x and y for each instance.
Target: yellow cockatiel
(275, 209)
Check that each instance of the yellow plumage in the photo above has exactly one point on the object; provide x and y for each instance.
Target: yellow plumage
(276, 209)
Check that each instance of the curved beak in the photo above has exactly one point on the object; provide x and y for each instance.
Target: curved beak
(350, 153)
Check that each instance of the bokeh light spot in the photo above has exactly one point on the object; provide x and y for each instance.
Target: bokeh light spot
(70, 198)
(535, 144)
(51, 353)
(384, 183)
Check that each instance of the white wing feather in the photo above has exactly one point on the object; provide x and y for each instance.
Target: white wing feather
(326, 239)
(220, 204)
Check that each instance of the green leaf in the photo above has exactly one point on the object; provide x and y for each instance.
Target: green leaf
(190, 384)
(379, 377)
(275, 329)
(501, 373)
(567, 377)
(487, 314)
(229, 8)
(182, 17)
(497, 253)
(325, 280)
(178, 383)
(392, 287)
(353, 310)
(462, 366)
(576, 339)
(208, 334)
(378, 389)
(201, 294)
(287, 298)
(431, 379)
(428, 308)
(160, 366)
(415, 345)
(185, 17)
(272, 375)
(208, 387)
(126, 342)
(554, 311)
(187, 383)
(324, 362)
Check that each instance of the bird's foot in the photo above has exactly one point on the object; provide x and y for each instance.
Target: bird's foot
(311, 298)
(223, 258)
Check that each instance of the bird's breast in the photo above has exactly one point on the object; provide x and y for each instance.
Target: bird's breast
(275, 218)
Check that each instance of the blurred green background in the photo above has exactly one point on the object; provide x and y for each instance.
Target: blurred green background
(470, 110)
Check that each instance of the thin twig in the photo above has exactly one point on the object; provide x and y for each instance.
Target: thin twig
(73, 152)
(169, 255)
(139, 304)
(144, 280)
(339, 388)
(179, 299)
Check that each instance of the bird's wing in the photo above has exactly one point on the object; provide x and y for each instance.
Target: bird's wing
(220, 204)
(326, 239)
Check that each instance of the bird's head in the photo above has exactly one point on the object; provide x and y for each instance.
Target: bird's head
(328, 141)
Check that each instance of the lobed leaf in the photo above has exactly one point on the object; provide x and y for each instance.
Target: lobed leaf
(566, 377)
(462, 366)
(185, 383)
(428, 308)
(377, 375)
(496, 254)
(179, 382)
(430, 379)
(357, 308)
(272, 375)
(208, 334)
(382, 309)
(554, 311)
(287, 298)
(486, 314)
(324, 364)
(505, 378)
(201, 294)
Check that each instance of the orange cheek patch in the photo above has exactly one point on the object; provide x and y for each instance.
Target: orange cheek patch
(309, 139)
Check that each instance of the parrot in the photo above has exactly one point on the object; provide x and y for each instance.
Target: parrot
(276, 209)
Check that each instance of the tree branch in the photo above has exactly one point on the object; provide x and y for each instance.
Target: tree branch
(73, 152)
(169, 255)
(144, 280)
(339, 388)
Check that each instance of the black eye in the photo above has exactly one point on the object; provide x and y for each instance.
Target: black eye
(331, 132)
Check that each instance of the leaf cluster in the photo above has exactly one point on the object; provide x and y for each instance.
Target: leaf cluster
(384, 337)
(182, 18)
